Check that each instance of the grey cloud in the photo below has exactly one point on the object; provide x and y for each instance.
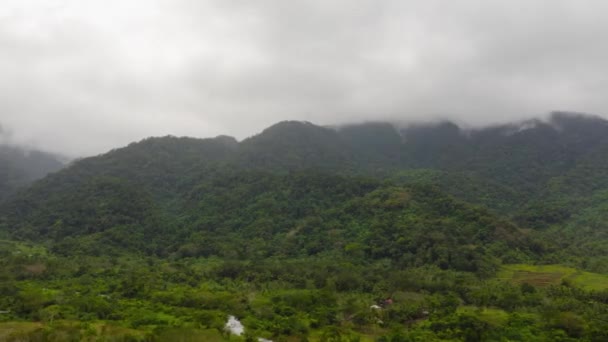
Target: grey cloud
(81, 77)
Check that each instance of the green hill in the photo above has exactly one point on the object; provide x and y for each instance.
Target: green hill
(370, 231)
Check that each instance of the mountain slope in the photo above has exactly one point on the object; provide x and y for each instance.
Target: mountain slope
(312, 233)
(244, 214)
(507, 167)
(522, 172)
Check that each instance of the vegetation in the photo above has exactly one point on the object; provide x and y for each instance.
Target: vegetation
(305, 233)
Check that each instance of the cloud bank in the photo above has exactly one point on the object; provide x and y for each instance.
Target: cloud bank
(83, 76)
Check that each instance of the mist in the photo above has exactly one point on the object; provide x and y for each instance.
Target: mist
(82, 77)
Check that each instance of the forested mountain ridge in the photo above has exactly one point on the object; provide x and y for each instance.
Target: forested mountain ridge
(538, 173)
(253, 213)
(302, 231)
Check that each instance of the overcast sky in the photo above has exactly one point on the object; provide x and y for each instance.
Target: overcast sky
(83, 76)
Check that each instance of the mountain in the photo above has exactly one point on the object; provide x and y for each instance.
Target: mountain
(505, 167)
(20, 167)
(294, 145)
(413, 232)
(521, 171)
(244, 214)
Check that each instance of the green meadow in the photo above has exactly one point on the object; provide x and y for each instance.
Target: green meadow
(546, 275)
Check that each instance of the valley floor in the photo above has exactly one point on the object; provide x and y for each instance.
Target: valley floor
(130, 298)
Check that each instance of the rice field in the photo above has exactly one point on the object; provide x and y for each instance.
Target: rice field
(546, 275)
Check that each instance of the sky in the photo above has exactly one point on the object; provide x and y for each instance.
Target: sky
(80, 77)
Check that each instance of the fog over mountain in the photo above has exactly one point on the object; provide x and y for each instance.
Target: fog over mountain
(346, 170)
(81, 77)
(21, 166)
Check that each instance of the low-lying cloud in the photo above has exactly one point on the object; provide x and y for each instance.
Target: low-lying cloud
(81, 77)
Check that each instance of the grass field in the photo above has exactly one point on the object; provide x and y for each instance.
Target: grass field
(546, 275)
(492, 316)
(14, 329)
(73, 330)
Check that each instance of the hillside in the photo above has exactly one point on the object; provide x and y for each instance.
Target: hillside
(301, 229)
(247, 214)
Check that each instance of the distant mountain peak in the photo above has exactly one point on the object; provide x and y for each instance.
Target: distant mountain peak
(20, 166)
(292, 132)
(227, 140)
(570, 115)
(290, 125)
(573, 120)
(437, 131)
